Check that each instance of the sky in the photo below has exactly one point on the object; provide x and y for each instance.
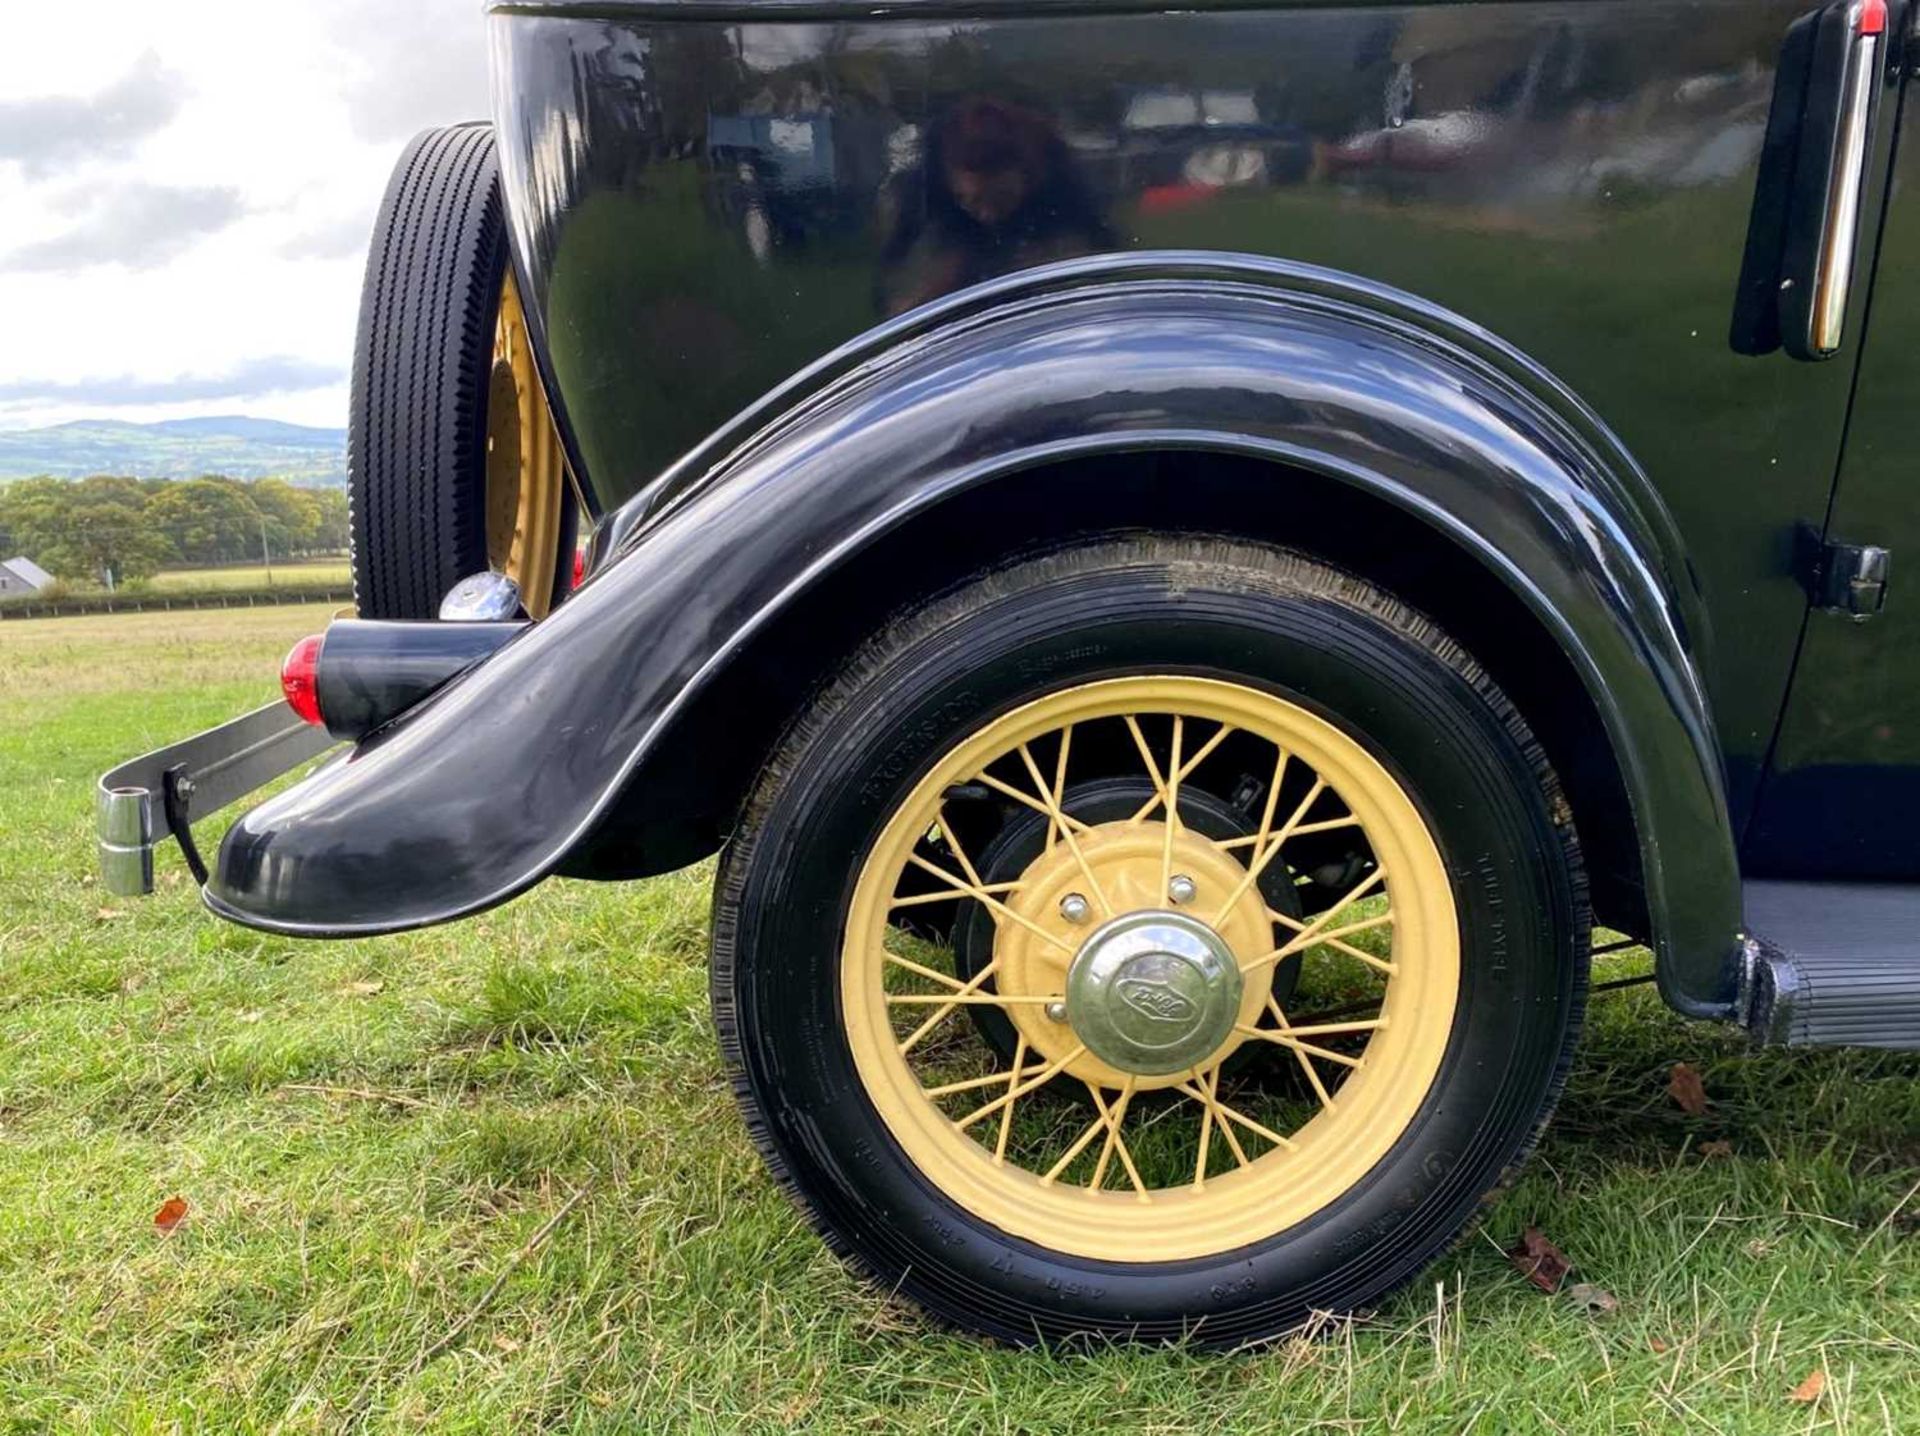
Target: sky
(186, 192)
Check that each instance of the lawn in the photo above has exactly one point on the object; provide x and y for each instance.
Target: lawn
(255, 576)
(489, 1178)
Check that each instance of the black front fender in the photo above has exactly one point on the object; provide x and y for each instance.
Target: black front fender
(485, 788)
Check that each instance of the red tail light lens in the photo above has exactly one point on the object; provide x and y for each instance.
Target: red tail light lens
(300, 678)
(579, 566)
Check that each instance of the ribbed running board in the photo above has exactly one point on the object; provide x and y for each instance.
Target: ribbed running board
(1833, 964)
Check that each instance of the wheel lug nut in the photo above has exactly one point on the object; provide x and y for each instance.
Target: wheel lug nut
(1074, 908)
(1056, 1012)
(1181, 889)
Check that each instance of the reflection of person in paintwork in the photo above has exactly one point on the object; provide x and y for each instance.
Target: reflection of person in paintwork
(995, 191)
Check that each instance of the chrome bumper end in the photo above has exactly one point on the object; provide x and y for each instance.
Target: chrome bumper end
(160, 794)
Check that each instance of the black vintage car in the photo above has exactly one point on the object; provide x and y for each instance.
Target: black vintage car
(1183, 561)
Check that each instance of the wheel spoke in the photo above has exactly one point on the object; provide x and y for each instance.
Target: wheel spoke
(1207, 1093)
(1329, 1029)
(931, 974)
(1330, 937)
(1080, 1144)
(1300, 1056)
(975, 883)
(1206, 1134)
(989, 901)
(974, 1084)
(1326, 825)
(1282, 1039)
(1172, 824)
(1006, 1112)
(1055, 815)
(1263, 856)
(1059, 785)
(1185, 771)
(1014, 1093)
(1066, 833)
(968, 999)
(921, 899)
(1347, 949)
(1307, 934)
(949, 1008)
(1225, 1113)
(1367, 1007)
(1115, 1141)
(1146, 757)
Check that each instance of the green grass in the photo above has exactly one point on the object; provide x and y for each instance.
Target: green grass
(202, 580)
(369, 1135)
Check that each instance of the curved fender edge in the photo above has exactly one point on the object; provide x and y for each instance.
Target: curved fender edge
(484, 789)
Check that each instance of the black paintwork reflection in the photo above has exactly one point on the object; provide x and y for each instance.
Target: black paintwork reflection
(996, 190)
(705, 208)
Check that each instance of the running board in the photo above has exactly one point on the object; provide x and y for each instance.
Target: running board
(1833, 964)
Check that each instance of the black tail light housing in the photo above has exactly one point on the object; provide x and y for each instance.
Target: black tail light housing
(363, 673)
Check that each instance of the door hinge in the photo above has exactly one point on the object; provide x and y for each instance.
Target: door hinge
(1844, 578)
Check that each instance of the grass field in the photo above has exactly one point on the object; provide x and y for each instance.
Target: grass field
(202, 580)
(373, 1137)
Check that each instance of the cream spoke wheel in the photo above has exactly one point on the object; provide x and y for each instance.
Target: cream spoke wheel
(526, 472)
(1133, 962)
(1159, 940)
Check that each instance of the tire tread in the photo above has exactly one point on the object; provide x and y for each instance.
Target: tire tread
(421, 370)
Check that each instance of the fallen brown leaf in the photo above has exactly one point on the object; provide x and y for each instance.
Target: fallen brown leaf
(1539, 1260)
(172, 1212)
(1660, 1348)
(1593, 1300)
(362, 989)
(505, 1343)
(1711, 1151)
(1808, 1391)
(1687, 1090)
(108, 914)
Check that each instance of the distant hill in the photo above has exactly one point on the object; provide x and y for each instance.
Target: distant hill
(239, 447)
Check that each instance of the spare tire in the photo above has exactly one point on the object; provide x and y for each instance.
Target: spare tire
(455, 465)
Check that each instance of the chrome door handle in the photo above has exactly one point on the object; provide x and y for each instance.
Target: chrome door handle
(1812, 189)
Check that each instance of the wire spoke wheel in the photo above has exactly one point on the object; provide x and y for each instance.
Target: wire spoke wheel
(526, 465)
(1160, 939)
(1134, 959)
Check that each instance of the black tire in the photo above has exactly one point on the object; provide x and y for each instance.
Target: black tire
(422, 372)
(1267, 619)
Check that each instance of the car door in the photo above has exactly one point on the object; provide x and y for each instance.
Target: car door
(1841, 796)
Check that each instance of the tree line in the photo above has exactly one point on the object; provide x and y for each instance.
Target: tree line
(115, 530)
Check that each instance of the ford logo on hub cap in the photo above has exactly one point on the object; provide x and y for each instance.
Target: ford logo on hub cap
(1155, 1000)
(1153, 992)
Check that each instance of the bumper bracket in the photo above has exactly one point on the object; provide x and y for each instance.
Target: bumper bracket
(143, 802)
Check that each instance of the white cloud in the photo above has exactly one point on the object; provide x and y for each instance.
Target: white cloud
(139, 225)
(188, 191)
(48, 131)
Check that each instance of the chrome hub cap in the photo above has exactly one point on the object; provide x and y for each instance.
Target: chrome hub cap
(1154, 992)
